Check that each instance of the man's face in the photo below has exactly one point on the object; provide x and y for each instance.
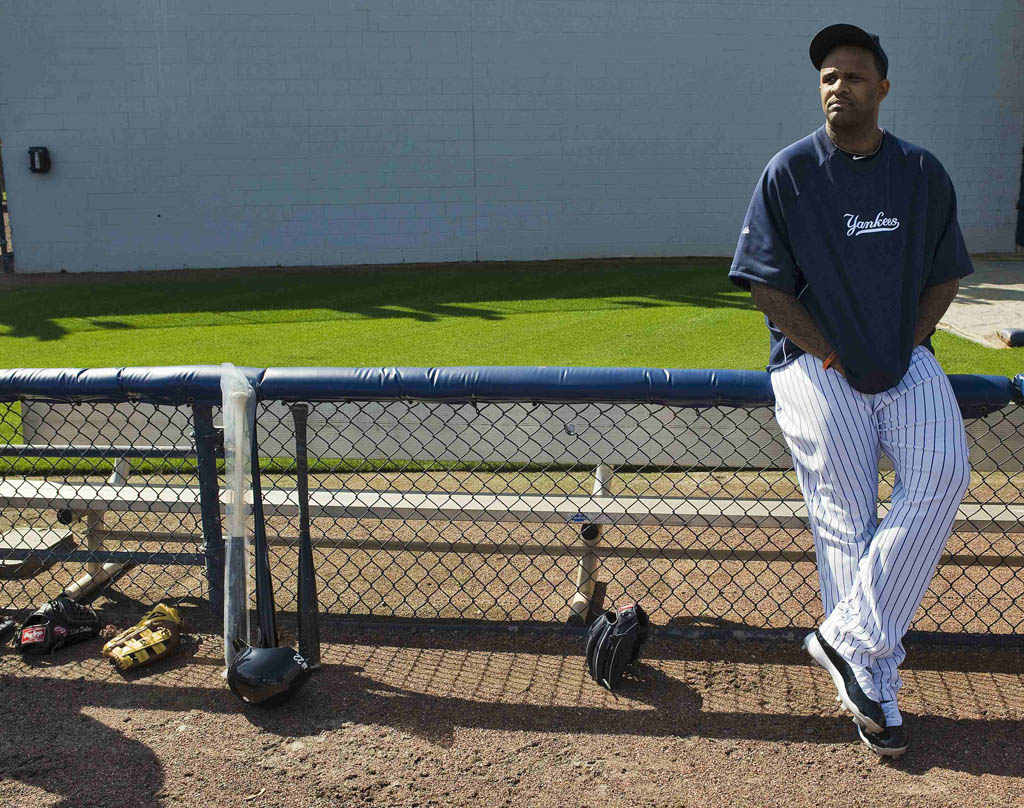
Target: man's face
(851, 88)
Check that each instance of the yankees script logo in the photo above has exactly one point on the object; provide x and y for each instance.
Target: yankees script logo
(855, 226)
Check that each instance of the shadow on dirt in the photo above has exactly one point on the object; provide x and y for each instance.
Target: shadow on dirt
(449, 680)
(649, 703)
(667, 708)
(46, 741)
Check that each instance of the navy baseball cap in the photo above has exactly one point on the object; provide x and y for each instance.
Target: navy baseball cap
(843, 34)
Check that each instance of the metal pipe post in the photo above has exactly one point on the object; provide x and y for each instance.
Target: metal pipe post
(207, 440)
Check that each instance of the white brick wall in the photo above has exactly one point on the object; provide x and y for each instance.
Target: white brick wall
(218, 133)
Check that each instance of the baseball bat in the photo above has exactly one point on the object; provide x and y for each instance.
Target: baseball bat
(309, 608)
(264, 588)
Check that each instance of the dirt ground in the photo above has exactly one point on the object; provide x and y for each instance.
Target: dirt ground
(410, 717)
(402, 715)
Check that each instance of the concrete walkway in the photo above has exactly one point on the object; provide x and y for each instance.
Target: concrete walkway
(989, 300)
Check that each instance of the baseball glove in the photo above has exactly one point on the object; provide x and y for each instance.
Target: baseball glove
(154, 637)
(56, 624)
(614, 641)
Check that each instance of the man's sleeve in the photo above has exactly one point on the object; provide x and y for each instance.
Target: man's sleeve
(763, 253)
(950, 259)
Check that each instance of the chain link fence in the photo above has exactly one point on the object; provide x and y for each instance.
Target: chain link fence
(492, 511)
(103, 497)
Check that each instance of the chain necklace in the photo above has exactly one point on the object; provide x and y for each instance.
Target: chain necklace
(858, 154)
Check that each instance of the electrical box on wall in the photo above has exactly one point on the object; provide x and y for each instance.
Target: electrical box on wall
(38, 159)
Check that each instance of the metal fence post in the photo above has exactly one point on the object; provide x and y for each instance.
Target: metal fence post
(6, 252)
(207, 440)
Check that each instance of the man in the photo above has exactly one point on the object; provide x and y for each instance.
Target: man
(852, 249)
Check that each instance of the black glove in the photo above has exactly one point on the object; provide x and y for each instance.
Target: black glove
(614, 641)
(56, 624)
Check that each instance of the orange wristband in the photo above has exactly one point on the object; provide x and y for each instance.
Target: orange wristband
(829, 360)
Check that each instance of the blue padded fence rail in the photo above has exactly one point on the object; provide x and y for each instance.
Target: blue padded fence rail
(190, 384)
(198, 387)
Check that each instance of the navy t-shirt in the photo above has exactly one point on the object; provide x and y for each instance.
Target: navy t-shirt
(857, 242)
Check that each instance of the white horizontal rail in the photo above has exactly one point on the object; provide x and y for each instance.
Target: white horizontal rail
(341, 503)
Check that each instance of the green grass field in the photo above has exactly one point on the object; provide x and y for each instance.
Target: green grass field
(680, 313)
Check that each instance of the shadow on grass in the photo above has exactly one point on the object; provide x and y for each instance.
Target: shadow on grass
(427, 293)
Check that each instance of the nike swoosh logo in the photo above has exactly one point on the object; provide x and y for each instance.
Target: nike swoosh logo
(860, 156)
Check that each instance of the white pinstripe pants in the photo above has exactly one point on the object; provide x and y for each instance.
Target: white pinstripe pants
(873, 575)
